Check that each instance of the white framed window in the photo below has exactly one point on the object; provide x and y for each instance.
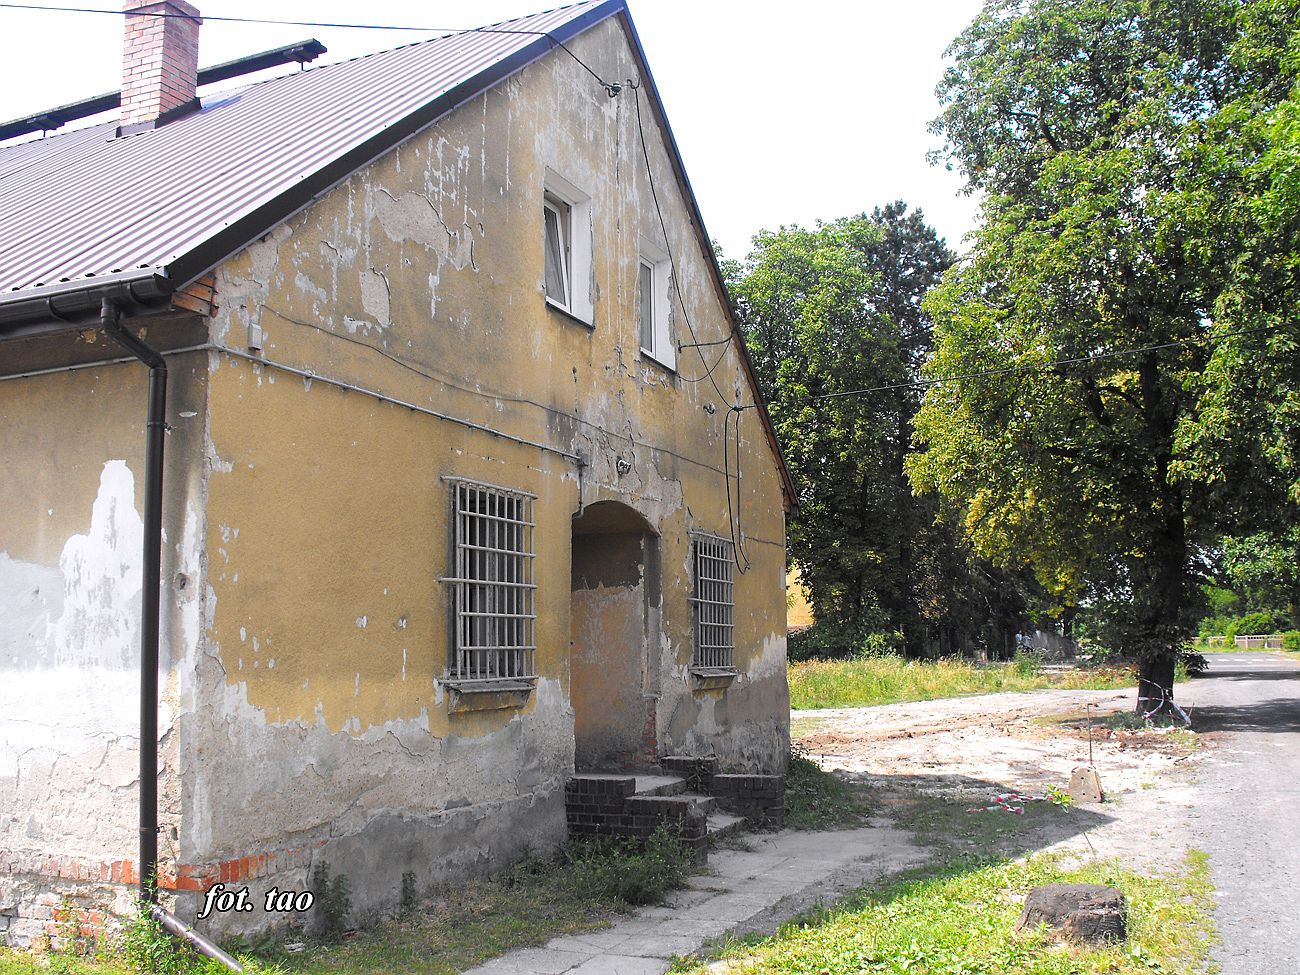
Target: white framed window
(653, 295)
(557, 216)
(566, 245)
(493, 598)
(714, 600)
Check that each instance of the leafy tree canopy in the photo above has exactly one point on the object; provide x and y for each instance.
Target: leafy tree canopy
(1116, 146)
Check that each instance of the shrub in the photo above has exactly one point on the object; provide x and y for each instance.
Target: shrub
(1291, 640)
(1262, 621)
(333, 902)
(627, 872)
(815, 798)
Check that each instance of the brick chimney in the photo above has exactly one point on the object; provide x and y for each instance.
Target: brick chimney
(160, 68)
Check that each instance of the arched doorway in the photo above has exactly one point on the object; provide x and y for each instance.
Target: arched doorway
(613, 669)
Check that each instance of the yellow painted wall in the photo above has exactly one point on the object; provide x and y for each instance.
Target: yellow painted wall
(420, 278)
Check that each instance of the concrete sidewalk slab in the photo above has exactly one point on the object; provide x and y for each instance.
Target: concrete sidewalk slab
(745, 891)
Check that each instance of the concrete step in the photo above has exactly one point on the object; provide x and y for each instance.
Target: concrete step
(705, 804)
(722, 824)
(659, 785)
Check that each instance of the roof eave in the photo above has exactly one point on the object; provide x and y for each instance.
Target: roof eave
(254, 225)
(69, 304)
(32, 306)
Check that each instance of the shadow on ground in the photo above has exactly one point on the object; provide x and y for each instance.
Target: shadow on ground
(957, 814)
(1276, 715)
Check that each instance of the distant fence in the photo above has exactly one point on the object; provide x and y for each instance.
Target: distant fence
(1259, 641)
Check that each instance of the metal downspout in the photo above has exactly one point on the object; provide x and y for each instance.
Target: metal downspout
(150, 592)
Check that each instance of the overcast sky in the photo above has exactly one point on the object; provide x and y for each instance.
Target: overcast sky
(784, 112)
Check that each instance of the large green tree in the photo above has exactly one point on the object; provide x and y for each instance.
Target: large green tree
(1109, 140)
(829, 312)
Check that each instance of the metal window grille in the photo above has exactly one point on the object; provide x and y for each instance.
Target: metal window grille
(494, 586)
(715, 603)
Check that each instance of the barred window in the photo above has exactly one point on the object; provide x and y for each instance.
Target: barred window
(715, 603)
(494, 588)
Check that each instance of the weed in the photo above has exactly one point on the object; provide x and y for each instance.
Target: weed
(625, 872)
(959, 919)
(1059, 797)
(333, 902)
(409, 896)
(817, 799)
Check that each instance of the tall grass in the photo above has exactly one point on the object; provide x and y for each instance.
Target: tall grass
(890, 680)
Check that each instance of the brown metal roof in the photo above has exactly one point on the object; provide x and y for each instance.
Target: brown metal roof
(82, 206)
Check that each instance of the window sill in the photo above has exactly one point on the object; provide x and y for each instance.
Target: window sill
(648, 356)
(713, 678)
(564, 312)
(488, 695)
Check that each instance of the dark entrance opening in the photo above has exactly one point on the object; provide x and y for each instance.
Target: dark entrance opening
(613, 659)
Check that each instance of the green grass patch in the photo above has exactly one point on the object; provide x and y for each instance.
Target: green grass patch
(817, 799)
(959, 920)
(466, 926)
(890, 680)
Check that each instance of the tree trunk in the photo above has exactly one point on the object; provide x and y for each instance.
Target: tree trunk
(1166, 574)
(1156, 685)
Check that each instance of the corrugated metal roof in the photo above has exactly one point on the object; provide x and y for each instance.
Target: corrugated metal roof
(83, 205)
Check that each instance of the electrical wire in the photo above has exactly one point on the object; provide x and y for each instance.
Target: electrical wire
(672, 261)
(1051, 366)
(611, 88)
(733, 515)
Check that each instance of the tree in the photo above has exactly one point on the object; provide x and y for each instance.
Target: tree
(806, 299)
(1246, 433)
(829, 312)
(1084, 319)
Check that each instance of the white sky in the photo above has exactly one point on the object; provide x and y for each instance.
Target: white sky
(784, 113)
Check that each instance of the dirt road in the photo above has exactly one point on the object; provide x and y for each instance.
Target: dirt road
(1231, 789)
(1247, 812)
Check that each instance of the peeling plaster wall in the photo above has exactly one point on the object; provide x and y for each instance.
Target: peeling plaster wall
(71, 529)
(325, 733)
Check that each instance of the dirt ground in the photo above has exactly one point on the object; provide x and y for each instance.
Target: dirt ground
(936, 766)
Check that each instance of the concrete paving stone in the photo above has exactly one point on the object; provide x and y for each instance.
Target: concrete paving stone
(742, 892)
(537, 961)
(622, 965)
(578, 943)
(604, 940)
(659, 946)
(685, 899)
(703, 928)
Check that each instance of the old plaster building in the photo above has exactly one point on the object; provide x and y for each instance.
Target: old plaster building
(466, 483)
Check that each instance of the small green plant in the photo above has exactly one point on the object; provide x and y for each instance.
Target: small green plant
(627, 873)
(1059, 797)
(150, 950)
(333, 902)
(72, 942)
(409, 897)
(1027, 662)
(1291, 640)
(815, 798)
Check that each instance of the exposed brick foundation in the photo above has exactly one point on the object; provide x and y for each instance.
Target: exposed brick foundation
(609, 806)
(759, 798)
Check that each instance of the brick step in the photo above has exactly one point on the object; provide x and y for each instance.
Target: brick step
(677, 808)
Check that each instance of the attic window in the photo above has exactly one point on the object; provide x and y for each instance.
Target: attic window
(557, 216)
(566, 246)
(653, 305)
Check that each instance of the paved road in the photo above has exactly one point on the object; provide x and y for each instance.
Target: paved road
(1249, 814)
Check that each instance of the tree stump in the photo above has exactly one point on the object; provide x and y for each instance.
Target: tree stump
(1092, 913)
